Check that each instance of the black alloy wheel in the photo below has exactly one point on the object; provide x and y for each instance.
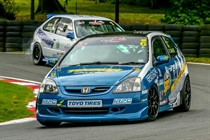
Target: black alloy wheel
(37, 55)
(153, 103)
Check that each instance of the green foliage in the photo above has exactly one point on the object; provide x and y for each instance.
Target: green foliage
(8, 9)
(188, 12)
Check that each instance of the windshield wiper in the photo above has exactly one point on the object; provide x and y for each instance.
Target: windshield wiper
(95, 63)
(131, 63)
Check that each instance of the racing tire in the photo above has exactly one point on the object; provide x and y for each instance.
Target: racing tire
(2, 28)
(14, 23)
(205, 39)
(191, 33)
(174, 33)
(155, 27)
(50, 124)
(126, 27)
(37, 55)
(173, 27)
(185, 97)
(14, 28)
(190, 40)
(139, 27)
(191, 28)
(153, 103)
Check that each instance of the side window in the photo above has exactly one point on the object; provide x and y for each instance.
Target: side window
(50, 25)
(158, 47)
(64, 26)
(171, 46)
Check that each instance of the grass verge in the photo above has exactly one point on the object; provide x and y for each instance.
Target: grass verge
(14, 99)
(198, 60)
(127, 14)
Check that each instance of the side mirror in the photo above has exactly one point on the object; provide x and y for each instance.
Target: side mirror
(52, 61)
(162, 59)
(70, 35)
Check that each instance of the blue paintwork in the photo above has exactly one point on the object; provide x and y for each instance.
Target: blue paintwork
(71, 79)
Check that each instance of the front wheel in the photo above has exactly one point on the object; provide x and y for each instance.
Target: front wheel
(50, 124)
(37, 55)
(186, 97)
(153, 103)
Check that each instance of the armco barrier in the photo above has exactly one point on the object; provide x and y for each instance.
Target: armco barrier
(193, 40)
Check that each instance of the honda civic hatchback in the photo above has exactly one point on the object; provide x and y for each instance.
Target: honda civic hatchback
(57, 34)
(128, 76)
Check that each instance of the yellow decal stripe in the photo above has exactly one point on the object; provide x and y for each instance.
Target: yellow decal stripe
(179, 76)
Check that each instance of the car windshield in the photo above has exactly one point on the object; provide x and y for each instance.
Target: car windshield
(125, 50)
(87, 27)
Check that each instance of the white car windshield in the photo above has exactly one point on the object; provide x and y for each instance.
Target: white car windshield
(87, 27)
(111, 49)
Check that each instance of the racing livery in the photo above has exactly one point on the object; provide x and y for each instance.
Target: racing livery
(57, 34)
(127, 76)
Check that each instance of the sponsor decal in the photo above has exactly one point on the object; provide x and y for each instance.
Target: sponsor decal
(167, 80)
(122, 101)
(164, 102)
(45, 38)
(94, 22)
(49, 101)
(160, 82)
(166, 58)
(137, 69)
(160, 73)
(84, 103)
(143, 42)
(114, 40)
(144, 100)
(161, 95)
(53, 74)
(94, 70)
(179, 77)
(144, 91)
(57, 44)
(60, 103)
(111, 23)
(152, 75)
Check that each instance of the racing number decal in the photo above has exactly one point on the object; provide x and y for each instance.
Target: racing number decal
(143, 42)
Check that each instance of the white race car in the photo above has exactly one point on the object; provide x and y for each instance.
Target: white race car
(57, 34)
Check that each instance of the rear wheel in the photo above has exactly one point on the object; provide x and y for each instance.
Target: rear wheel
(153, 103)
(37, 55)
(186, 97)
(50, 124)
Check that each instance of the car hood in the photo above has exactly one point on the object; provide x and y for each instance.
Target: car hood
(93, 75)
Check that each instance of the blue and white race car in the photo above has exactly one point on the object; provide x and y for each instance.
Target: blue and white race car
(57, 34)
(126, 76)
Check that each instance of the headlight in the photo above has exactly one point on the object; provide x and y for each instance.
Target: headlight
(48, 86)
(129, 85)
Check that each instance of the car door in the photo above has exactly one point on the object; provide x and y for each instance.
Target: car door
(62, 43)
(177, 68)
(46, 35)
(165, 70)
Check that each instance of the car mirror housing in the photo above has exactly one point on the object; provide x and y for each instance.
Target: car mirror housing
(70, 35)
(162, 59)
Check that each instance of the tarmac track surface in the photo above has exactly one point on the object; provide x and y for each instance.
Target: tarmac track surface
(191, 125)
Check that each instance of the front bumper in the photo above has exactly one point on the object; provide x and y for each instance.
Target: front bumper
(137, 110)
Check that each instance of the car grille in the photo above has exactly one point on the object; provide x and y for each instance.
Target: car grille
(94, 90)
(86, 111)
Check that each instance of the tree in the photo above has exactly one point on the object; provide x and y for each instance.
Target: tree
(188, 12)
(49, 6)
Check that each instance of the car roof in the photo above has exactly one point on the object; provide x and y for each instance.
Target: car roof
(78, 17)
(127, 33)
